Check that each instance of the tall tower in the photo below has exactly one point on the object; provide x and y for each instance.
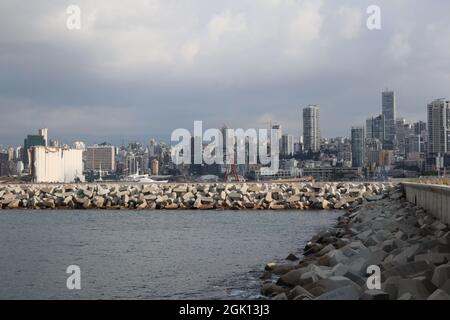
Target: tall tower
(438, 127)
(155, 167)
(358, 146)
(44, 133)
(311, 128)
(375, 128)
(287, 145)
(279, 129)
(152, 148)
(389, 113)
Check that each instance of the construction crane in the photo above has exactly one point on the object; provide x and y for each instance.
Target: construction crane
(231, 168)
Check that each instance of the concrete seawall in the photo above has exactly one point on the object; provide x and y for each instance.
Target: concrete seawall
(433, 198)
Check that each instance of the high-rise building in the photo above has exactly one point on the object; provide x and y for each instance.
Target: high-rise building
(287, 145)
(420, 128)
(417, 141)
(311, 128)
(4, 170)
(196, 155)
(438, 127)
(100, 157)
(44, 133)
(358, 146)
(32, 141)
(375, 128)
(152, 148)
(279, 131)
(389, 113)
(11, 154)
(155, 167)
(403, 130)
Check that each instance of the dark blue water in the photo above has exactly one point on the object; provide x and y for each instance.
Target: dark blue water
(147, 255)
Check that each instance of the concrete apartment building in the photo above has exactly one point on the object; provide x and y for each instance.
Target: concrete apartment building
(100, 158)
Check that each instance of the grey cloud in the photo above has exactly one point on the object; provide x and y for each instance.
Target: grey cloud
(143, 69)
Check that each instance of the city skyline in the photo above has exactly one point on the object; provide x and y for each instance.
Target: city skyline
(126, 139)
(239, 62)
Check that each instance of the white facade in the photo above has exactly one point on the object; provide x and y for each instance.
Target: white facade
(56, 164)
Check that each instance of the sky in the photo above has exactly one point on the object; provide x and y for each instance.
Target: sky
(141, 69)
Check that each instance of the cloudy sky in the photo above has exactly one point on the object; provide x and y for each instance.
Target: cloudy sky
(138, 69)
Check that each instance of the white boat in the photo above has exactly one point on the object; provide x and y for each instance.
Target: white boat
(147, 179)
(142, 178)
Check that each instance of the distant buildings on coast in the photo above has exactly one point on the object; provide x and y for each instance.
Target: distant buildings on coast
(384, 146)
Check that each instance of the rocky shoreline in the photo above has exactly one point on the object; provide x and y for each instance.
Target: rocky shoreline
(410, 247)
(235, 196)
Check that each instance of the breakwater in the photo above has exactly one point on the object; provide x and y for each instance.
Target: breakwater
(236, 196)
(408, 245)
